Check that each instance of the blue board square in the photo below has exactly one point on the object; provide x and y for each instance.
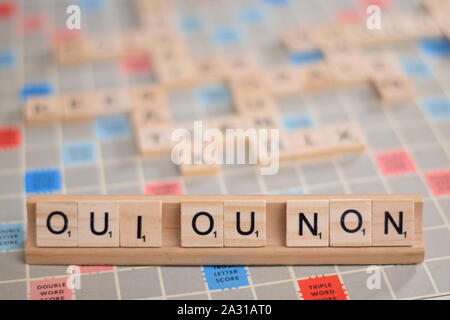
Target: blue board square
(35, 89)
(190, 24)
(214, 95)
(305, 57)
(415, 67)
(112, 127)
(78, 154)
(251, 16)
(7, 60)
(43, 181)
(11, 236)
(297, 121)
(227, 36)
(225, 277)
(437, 108)
(437, 47)
(91, 5)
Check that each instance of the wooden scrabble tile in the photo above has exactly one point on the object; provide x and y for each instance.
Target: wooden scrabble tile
(134, 41)
(154, 140)
(348, 68)
(209, 70)
(103, 47)
(159, 6)
(251, 104)
(159, 22)
(244, 223)
(148, 97)
(140, 223)
(317, 76)
(169, 53)
(283, 80)
(177, 73)
(327, 35)
(397, 30)
(240, 63)
(223, 123)
(436, 6)
(286, 150)
(307, 223)
(155, 6)
(248, 83)
(350, 223)
(264, 120)
(395, 89)
(77, 106)
(71, 50)
(98, 224)
(338, 48)
(196, 170)
(360, 35)
(202, 224)
(418, 26)
(309, 143)
(145, 117)
(166, 37)
(298, 40)
(112, 101)
(392, 223)
(57, 224)
(383, 65)
(202, 164)
(441, 19)
(42, 110)
(446, 30)
(345, 137)
(269, 148)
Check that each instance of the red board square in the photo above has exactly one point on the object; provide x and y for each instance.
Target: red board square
(7, 9)
(439, 182)
(322, 288)
(33, 23)
(164, 187)
(394, 162)
(95, 269)
(9, 137)
(65, 35)
(349, 16)
(383, 4)
(50, 289)
(135, 64)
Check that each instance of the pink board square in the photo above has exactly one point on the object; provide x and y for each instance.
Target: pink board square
(164, 187)
(9, 137)
(439, 182)
(135, 64)
(394, 162)
(94, 269)
(50, 289)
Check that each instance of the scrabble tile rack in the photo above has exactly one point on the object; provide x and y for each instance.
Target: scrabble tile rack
(274, 253)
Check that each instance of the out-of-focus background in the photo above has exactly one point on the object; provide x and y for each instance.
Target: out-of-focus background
(407, 143)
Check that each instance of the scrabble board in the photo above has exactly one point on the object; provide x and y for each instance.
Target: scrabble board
(407, 151)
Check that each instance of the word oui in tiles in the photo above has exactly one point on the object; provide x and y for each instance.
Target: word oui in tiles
(178, 224)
